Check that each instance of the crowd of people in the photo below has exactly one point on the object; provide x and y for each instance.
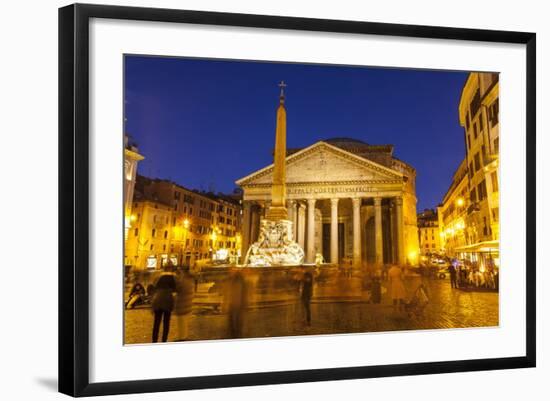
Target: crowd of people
(471, 276)
(169, 295)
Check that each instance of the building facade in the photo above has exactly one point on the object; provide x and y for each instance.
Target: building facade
(349, 201)
(479, 115)
(131, 160)
(429, 236)
(171, 222)
(453, 212)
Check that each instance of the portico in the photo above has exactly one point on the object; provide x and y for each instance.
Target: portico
(343, 205)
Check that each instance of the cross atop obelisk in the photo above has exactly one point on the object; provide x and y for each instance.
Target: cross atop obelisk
(282, 85)
(277, 210)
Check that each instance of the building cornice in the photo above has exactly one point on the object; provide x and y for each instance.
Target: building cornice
(321, 145)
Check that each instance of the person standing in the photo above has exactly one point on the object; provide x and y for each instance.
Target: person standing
(306, 294)
(184, 302)
(163, 303)
(453, 274)
(236, 302)
(397, 287)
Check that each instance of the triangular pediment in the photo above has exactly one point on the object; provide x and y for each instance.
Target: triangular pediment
(323, 162)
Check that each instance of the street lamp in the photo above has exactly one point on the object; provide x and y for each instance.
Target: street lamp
(460, 202)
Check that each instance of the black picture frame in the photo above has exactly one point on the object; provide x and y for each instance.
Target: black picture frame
(74, 198)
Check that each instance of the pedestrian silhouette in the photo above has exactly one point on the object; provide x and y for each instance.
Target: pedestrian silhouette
(163, 303)
(306, 294)
(236, 303)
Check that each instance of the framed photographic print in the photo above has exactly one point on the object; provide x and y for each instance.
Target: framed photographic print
(249, 199)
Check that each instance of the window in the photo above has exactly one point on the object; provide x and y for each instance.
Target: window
(165, 234)
(473, 195)
(467, 120)
(475, 104)
(475, 130)
(153, 232)
(485, 229)
(152, 247)
(164, 247)
(176, 207)
(136, 232)
(477, 162)
(493, 113)
(468, 141)
(494, 212)
(482, 190)
(177, 195)
(471, 170)
(495, 144)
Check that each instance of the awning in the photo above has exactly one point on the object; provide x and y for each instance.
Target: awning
(480, 247)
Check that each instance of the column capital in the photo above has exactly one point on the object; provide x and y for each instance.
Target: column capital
(334, 201)
(247, 204)
(311, 202)
(291, 203)
(377, 201)
(398, 201)
(356, 202)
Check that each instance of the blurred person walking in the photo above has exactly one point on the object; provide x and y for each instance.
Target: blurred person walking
(306, 294)
(397, 287)
(453, 274)
(236, 302)
(163, 302)
(184, 302)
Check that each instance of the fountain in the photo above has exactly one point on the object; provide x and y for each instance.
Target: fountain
(275, 245)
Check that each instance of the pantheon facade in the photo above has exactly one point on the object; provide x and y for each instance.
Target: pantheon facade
(350, 201)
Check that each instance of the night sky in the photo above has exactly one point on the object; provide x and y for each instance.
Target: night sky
(206, 123)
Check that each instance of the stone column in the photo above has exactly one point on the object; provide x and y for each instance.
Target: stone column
(334, 231)
(295, 221)
(254, 225)
(378, 230)
(267, 205)
(301, 225)
(356, 232)
(310, 242)
(247, 210)
(399, 230)
(291, 207)
(393, 240)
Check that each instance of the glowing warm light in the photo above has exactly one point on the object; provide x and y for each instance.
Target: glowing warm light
(133, 217)
(186, 223)
(460, 202)
(412, 255)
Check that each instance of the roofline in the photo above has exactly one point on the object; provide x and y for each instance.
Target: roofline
(318, 143)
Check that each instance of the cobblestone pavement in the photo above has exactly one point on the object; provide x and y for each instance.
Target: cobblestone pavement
(447, 308)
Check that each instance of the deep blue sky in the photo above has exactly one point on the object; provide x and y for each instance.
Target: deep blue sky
(206, 123)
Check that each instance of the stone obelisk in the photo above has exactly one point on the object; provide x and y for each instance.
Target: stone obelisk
(277, 211)
(275, 245)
